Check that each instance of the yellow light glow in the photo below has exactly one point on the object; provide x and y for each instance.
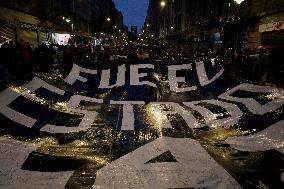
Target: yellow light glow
(163, 4)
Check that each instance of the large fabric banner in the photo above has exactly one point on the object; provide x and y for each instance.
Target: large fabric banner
(142, 125)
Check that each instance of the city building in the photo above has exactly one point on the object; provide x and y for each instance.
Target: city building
(263, 22)
(57, 21)
(20, 23)
(182, 21)
(134, 30)
(216, 23)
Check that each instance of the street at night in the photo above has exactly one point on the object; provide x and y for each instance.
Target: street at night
(183, 103)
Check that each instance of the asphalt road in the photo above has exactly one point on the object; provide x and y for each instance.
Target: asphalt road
(141, 125)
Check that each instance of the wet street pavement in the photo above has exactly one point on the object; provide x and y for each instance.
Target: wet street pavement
(160, 124)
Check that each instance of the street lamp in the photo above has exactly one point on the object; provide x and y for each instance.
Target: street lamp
(163, 4)
(226, 25)
(68, 20)
(108, 19)
(73, 20)
(239, 1)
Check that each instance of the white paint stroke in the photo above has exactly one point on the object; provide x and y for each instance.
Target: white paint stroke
(275, 95)
(89, 116)
(174, 80)
(64, 129)
(12, 155)
(202, 75)
(7, 97)
(74, 75)
(194, 169)
(135, 76)
(160, 115)
(105, 78)
(37, 83)
(211, 118)
(268, 139)
(128, 119)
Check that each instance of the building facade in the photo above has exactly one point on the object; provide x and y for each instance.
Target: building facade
(46, 17)
(216, 23)
(134, 30)
(263, 21)
(181, 20)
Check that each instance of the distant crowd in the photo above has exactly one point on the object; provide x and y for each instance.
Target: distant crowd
(20, 60)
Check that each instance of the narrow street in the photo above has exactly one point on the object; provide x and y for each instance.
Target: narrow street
(141, 94)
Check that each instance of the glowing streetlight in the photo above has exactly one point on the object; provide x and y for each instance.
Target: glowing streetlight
(239, 1)
(163, 4)
(108, 19)
(68, 20)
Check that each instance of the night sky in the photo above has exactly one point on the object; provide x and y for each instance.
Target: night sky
(134, 11)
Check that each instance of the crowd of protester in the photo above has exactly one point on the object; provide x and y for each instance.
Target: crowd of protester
(19, 60)
(263, 65)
